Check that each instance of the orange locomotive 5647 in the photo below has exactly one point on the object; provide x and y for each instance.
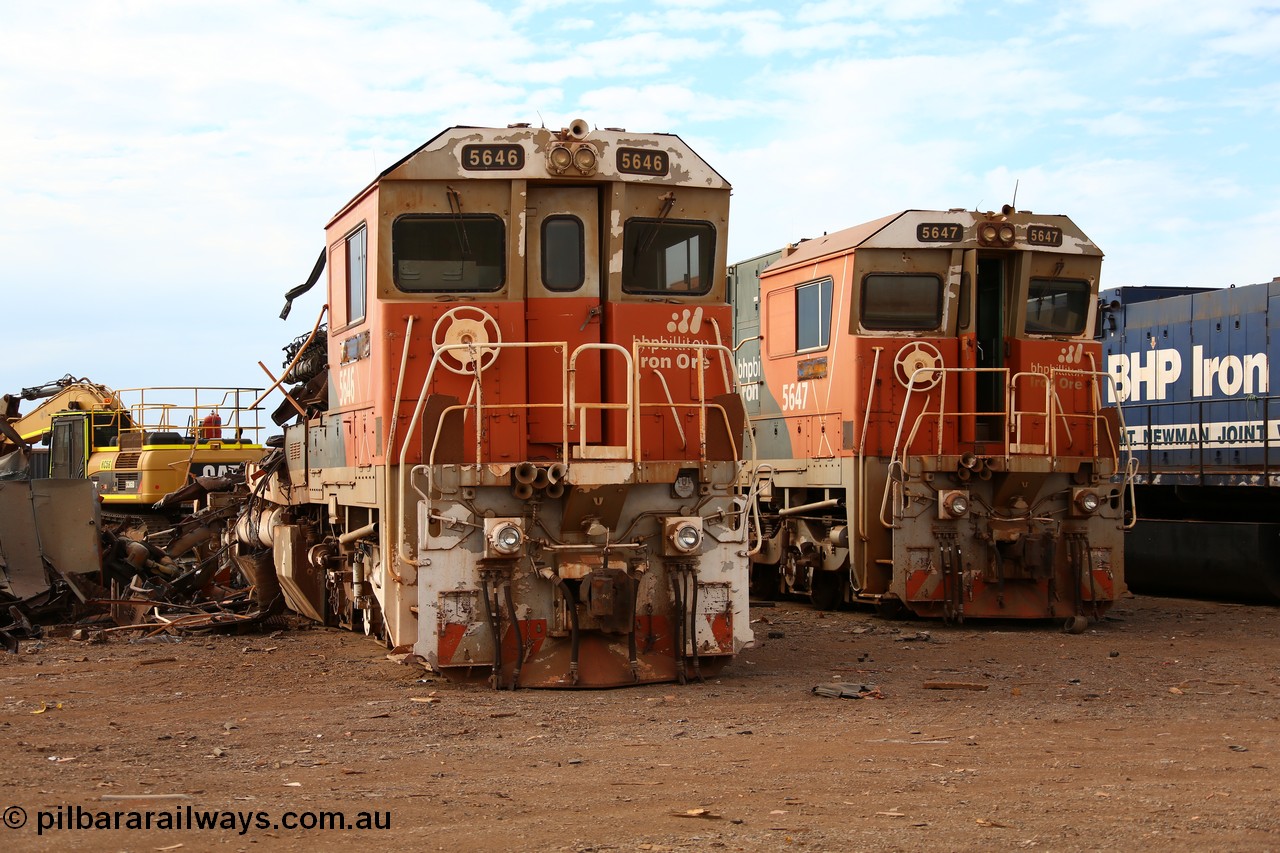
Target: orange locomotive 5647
(926, 398)
(522, 462)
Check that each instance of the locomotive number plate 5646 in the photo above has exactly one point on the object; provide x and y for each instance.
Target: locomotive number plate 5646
(637, 161)
(492, 158)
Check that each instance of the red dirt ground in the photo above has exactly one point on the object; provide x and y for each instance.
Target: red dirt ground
(1156, 729)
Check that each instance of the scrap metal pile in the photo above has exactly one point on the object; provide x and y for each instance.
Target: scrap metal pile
(165, 571)
(60, 565)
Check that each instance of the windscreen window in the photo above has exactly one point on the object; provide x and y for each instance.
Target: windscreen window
(1057, 306)
(667, 256)
(448, 253)
(813, 315)
(563, 253)
(901, 302)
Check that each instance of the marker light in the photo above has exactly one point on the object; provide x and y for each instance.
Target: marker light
(953, 504)
(1086, 501)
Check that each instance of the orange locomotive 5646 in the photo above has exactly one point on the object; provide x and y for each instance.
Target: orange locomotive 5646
(925, 393)
(525, 466)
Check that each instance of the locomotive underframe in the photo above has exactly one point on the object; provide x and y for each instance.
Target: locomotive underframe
(1021, 549)
(596, 598)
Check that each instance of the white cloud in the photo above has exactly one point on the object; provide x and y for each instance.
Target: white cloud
(901, 10)
(1120, 124)
(637, 55)
(170, 166)
(766, 38)
(1181, 17)
(660, 107)
(1261, 38)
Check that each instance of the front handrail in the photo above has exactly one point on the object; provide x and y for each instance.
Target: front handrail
(860, 479)
(600, 406)
(700, 362)
(1014, 433)
(421, 404)
(573, 411)
(671, 403)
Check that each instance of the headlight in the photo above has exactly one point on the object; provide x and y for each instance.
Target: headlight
(506, 538)
(996, 234)
(559, 158)
(584, 159)
(1086, 501)
(683, 535)
(687, 538)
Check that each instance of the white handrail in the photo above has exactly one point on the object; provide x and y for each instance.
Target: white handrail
(417, 415)
(684, 444)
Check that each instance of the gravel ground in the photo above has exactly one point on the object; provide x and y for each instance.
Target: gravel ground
(1155, 729)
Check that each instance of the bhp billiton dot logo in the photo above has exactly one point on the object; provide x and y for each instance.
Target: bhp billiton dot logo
(1071, 354)
(686, 322)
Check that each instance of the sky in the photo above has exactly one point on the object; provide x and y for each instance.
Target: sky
(167, 168)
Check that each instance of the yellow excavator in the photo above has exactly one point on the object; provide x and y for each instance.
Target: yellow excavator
(30, 432)
(136, 445)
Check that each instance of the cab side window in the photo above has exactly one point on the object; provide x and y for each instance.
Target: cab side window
(357, 265)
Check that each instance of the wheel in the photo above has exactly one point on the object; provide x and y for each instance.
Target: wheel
(1075, 625)
(916, 366)
(468, 325)
(788, 575)
(372, 623)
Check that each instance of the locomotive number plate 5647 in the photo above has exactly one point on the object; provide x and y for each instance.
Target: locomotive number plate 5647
(939, 232)
(1044, 235)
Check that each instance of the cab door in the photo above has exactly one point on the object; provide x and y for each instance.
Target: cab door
(989, 323)
(562, 259)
